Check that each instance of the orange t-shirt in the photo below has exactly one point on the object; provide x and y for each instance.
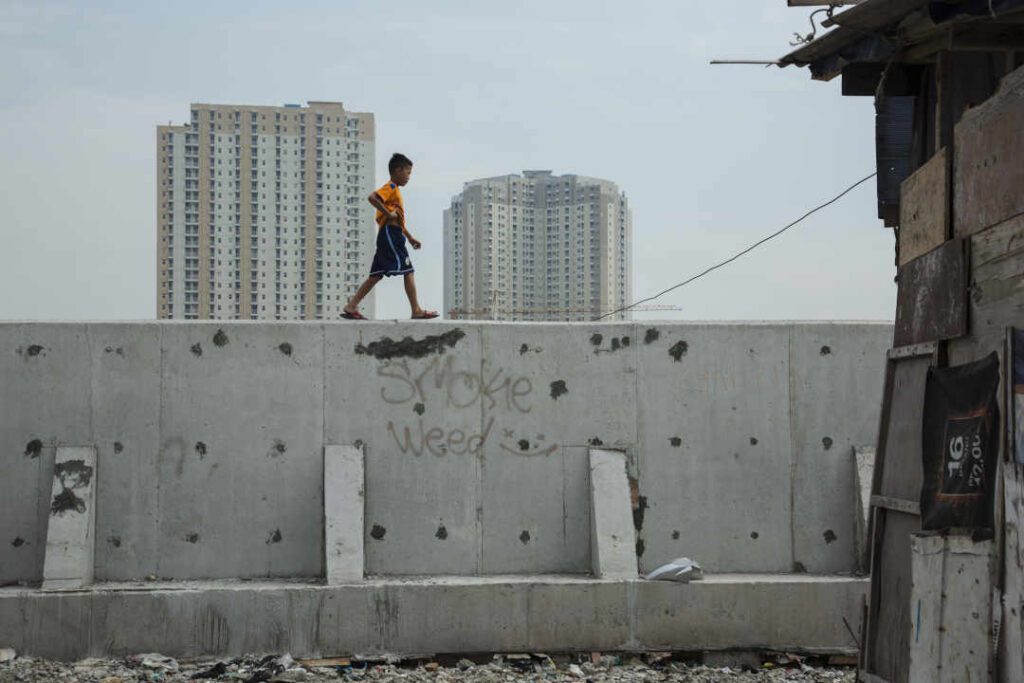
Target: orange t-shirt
(391, 197)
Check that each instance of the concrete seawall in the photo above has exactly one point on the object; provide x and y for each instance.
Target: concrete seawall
(210, 439)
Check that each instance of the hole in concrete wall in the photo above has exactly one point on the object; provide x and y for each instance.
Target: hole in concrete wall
(197, 349)
(524, 445)
(442, 533)
(524, 537)
(285, 348)
(418, 408)
(651, 335)
(377, 533)
(596, 442)
(275, 537)
(799, 568)
(753, 441)
(825, 350)
(827, 442)
(118, 446)
(675, 441)
(278, 449)
(220, 339)
(33, 448)
(523, 349)
(200, 449)
(830, 536)
(114, 541)
(192, 537)
(386, 348)
(675, 534)
(18, 542)
(615, 344)
(558, 388)
(678, 350)
(596, 338)
(34, 350)
(754, 535)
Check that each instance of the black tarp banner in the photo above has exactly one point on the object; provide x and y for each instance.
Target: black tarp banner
(960, 441)
(1017, 354)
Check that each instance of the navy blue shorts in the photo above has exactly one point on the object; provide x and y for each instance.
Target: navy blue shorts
(391, 257)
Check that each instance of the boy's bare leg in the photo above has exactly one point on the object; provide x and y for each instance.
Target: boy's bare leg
(410, 291)
(353, 305)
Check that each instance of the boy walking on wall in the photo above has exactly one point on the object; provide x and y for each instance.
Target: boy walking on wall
(391, 257)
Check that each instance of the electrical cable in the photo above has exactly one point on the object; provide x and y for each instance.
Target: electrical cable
(745, 251)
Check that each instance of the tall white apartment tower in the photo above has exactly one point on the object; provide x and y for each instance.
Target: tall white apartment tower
(538, 247)
(262, 211)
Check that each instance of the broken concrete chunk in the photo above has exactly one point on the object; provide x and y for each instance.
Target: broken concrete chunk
(681, 569)
(7, 654)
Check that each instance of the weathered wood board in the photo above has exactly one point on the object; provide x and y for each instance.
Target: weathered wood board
(988, 164)
(931, 298)
(924, 211)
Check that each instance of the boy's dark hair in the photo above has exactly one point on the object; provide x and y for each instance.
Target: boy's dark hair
(398, 161)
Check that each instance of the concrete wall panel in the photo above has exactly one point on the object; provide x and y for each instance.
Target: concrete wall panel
(836, 378)
(126, 433)
(714, 442)
(412, 394)
(44, 395)
(240, 490)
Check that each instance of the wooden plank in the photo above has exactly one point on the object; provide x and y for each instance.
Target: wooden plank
(988, 167)
(931, 298)
(1011, 662)
(912, 507)
(890, 635)
(923, 204)
(926, 349)
(901, 470)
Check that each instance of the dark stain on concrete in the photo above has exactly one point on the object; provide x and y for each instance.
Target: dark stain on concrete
(33, 448)
(285, 348)
(279, 448)
(558, 388)
(197, 350)
(675, 441)
(418, 408)
(66, 501)
(114, 541)
(359, 443)
(596, 442)
(678, 350)
(640, 547)
(442, 533)
(524, 537)
(651, 335)
(524, 445)
(119, 350)
(18, 542)
(200, 449)
(220, 339)
(377, 533)
(827, 442)
(616, 344)
(638, 512)
(274, 537)
(523, 349)
(799, 568)
(192, 537)
(830, 536)
(754, 535)
(118, 446)
(825, 350)
(675, 534)
(73, 474)
(753, 441)
(386, 348)
(34, 350)
(596, 338)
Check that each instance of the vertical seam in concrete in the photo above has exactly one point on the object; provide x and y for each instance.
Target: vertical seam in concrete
(636, 424)
(92, 438)
(159, 454)
(479, 517)
(792, 449)
(323, 450)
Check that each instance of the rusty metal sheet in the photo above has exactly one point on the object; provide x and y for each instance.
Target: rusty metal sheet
(924, 208)
(890, 628)
(931, 298)
(988, 171)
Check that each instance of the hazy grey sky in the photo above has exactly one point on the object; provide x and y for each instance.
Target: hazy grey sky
(711, 157)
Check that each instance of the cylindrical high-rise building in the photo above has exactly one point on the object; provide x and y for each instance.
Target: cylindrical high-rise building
(538, 247)
(262, 211)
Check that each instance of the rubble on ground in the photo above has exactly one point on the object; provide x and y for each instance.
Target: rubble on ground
(508, 668)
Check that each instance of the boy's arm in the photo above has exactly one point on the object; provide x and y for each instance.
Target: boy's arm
(416, 244)
(376, 203)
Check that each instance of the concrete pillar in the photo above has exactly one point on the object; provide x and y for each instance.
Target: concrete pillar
(613, 539)
(70, 534)
(343, 513)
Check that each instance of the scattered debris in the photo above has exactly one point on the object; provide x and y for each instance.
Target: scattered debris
(681, 569)
(592, 667)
